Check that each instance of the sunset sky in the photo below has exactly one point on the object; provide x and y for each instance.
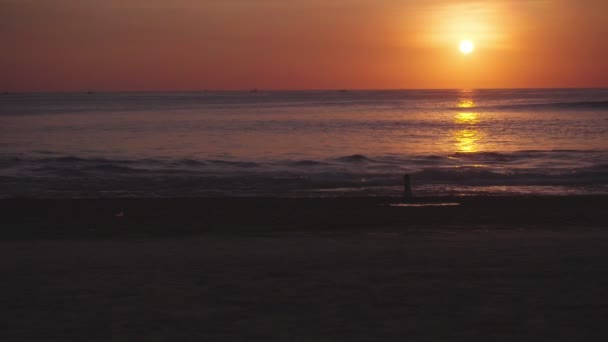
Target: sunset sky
(130, 45)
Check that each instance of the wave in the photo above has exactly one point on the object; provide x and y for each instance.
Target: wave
(79, 160)
(355, 158)
(235, 163)
(475, 176)
(43, 176)
(428, 182)
(572, 158)
(190, 162)
(489, 156)
(305, 163)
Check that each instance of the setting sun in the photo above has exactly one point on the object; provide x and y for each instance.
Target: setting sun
(466, 47)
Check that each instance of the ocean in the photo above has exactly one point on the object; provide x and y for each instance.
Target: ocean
(304, 143)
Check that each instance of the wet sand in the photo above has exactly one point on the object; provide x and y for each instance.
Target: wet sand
(501, 269)
(161, 218)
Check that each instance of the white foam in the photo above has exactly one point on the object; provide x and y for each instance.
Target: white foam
(449, 204)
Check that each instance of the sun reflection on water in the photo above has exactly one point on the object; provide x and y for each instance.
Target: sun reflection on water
(467, 140)
(466, 104)
(468, 136)
(466, 118)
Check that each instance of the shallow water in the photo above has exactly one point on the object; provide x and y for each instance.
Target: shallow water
(313, 143)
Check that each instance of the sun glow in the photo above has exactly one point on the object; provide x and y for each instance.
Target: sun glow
(466, 47)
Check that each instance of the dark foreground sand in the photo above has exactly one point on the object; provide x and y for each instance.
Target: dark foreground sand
(510, 269)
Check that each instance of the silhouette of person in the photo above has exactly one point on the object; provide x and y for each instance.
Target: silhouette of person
(407, 188)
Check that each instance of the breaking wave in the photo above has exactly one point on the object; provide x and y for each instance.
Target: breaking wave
(456, 173)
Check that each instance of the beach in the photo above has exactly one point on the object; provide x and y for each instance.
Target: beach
(303, 171)
(338, 269)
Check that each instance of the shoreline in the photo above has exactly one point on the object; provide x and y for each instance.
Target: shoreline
(162, 218)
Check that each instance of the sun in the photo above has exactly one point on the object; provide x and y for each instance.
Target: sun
(466, 47)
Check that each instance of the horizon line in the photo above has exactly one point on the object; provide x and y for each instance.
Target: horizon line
(254, 90)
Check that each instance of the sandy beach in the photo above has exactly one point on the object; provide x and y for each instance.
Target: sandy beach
(496, 269)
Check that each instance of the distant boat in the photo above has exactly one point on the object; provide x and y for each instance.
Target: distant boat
(90, 92)
(254, 90)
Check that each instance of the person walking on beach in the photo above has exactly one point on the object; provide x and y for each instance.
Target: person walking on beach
(407, 188)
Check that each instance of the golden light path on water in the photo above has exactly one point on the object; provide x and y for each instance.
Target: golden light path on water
(468, 138)
(468, 118)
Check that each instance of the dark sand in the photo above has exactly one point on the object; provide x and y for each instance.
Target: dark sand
(492, 269)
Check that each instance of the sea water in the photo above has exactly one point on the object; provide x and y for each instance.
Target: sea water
(304, 143)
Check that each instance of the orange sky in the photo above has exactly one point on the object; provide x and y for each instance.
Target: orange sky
(114, 45)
